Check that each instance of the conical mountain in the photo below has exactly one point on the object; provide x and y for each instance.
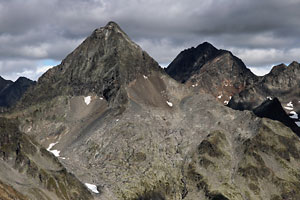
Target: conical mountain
(103, 64)
(210, 70)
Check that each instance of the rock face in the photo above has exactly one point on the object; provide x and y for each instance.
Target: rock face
(28, 171)
(213, 71)
(282, 82)
(136, 134)
(11, 92)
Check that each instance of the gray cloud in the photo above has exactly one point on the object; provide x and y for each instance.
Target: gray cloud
(262, 33)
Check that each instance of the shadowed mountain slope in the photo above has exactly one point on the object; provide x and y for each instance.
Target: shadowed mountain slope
(12, 93)
(4, 83)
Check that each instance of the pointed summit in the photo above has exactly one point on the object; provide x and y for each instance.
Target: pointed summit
(189, 61)
(103, 64)
(210, 70)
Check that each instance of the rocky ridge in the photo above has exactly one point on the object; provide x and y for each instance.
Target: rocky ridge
(282, 82)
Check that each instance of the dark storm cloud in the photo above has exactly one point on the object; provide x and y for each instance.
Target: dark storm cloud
(262, 33)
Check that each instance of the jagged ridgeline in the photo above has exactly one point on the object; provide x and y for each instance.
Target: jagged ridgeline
(102, 64)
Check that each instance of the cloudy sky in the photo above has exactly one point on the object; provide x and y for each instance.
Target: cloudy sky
(36, 34)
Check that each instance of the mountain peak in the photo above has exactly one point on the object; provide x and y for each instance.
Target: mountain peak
(103, 64)
(206, 45)
(189, 61)
(112, 31)
(112, 24)
(294, 63)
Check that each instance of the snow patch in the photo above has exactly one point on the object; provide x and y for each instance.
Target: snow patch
(195, 85)
(29, 129)
(51, 145)
(92, 187)
(145, 77)
(290, 104)
(101, 98)
(298, 123)
(87, 100)
(269, 98)
(117, 120)
(226, 102)
(294, 115)
(106, 35)
(220, 96)
(169, 103)
(288, 108)
(230, 97)
(54, 152)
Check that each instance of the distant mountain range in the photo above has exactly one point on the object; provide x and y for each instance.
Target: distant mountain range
(121, 127)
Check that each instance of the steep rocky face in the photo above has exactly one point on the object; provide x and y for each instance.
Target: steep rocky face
(103, 64)
(167, 142)
(28, 171)
(212, 71)
(13, 91)
(282, 82)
